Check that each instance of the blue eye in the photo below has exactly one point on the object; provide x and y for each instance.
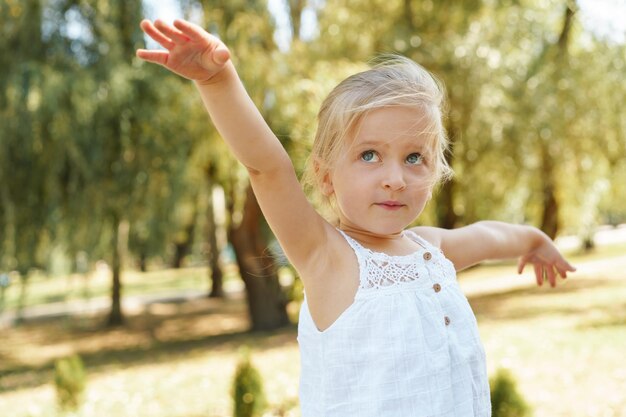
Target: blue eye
(415, 159)
(369, 156)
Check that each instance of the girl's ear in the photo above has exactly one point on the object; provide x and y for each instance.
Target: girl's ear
(326, 184)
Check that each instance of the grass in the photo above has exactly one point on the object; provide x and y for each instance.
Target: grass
(43, 289)
(173, 360)
(565, 346)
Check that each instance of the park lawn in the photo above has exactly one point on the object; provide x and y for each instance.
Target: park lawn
(172, 360)
(565, 346)
(42, 289)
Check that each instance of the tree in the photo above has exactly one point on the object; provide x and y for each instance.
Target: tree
(90, 125)
(27, 196)
(246, 28)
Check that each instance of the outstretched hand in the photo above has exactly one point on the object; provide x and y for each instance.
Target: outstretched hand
(190, 51)
(547, 262)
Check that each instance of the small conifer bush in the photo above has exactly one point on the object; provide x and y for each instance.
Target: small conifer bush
(506, 401)
(248, 388)
(70, 381)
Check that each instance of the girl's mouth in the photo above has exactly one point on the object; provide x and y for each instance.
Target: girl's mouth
(390, 205)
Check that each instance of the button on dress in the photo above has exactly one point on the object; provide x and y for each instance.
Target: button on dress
(408, 346)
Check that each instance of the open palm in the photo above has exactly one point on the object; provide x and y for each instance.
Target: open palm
(190, 51)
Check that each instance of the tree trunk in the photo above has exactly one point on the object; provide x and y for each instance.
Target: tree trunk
(408, 15)
(143, 261)
(216, 276)
(119, 244)
(446, 216)
(266, 301)
(295, 13)
(8, 243)
(21, 305)
(184, 248)
(550, 215)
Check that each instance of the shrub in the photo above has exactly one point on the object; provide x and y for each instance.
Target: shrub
(248, 388)
(506, 401)
(69, 380)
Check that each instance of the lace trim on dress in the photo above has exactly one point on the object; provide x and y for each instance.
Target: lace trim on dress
(380, 270)
(380, 273)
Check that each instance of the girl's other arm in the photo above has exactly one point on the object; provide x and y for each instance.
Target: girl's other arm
(199, 56)
(485, 240)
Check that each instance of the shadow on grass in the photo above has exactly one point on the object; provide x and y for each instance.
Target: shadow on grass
(490, 306)
(167, 331)
(162, 333)
(608, 323)
(56, 298)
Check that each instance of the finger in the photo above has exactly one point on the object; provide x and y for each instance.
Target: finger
(156, 34)
(538, 274)
(564, 266)
(521, 264)
(193, 31)
(174, 34)
(551, 275)
(156, 57)
(561, 268)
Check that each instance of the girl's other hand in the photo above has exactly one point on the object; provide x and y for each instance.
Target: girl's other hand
(190, 51)
(547, 261)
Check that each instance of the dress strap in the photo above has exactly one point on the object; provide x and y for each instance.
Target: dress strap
(356, 246)
(417, 239)
(361, 256)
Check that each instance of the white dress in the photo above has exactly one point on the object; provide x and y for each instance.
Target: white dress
(407, 347)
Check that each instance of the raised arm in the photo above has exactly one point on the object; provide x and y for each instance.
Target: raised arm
(486, 240)
(197, 55)
(203, 58)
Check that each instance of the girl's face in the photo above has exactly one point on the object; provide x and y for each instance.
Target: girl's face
(383, 181)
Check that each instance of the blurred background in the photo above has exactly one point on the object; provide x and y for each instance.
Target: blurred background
(137, 275)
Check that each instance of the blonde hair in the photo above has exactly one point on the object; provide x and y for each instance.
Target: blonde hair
(392, 81)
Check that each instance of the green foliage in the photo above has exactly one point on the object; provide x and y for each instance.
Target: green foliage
(248, 388)
(295, 292)
(70, 381)
(106, 139)
(506, 401)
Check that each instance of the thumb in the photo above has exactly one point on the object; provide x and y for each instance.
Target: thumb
(221, 55)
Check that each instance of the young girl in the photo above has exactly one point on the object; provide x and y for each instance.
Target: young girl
(384, 328)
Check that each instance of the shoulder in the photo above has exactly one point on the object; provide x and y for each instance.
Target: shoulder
(433, 235)
(464, 246)
(448, 239)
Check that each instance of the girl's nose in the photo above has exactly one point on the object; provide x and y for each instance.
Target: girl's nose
(394, 178)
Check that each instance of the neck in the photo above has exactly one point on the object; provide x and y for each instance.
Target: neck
(364, 235)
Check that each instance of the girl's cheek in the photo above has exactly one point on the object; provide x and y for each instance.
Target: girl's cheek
(423, 175)
(421, 171)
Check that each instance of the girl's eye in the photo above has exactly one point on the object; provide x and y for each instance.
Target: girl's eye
(415, 159)
(369, 156)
